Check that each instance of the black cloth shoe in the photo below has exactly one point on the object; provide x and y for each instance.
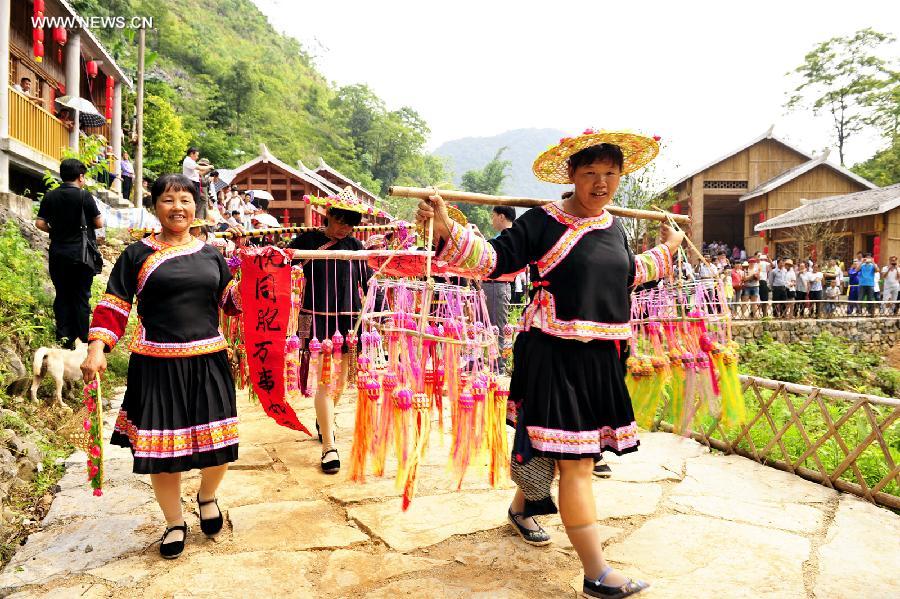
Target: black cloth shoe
(596, 588)
(602, 470)
(210, 526)
(175, 548)
(538, 538)
(331, 466)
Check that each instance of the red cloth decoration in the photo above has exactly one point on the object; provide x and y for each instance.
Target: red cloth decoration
(265, 291)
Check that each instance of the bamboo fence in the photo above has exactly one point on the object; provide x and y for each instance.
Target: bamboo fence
(878, 417)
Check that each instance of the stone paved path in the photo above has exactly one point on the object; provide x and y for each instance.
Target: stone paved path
(694, 524)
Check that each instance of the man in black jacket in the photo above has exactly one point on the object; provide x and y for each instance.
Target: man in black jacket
(60, 216)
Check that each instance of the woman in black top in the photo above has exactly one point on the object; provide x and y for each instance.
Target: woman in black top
(568, 394)
(179, 411)
(331, 304)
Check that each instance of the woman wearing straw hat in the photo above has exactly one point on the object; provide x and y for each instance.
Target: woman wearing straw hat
(330, 302)
(568, 395)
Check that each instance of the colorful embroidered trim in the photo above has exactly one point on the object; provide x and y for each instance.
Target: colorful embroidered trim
(140, 345)
(230, 302)
(104, 335)
(576, 228)
(583, 442)
(544, 318)
(115, 303)
(468, 251)
(178, 442)
(162, 254)
(109, 320)
(652, 264)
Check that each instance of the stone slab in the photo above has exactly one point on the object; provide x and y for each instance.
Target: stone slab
(661, 456)
(292, 525)
(85, 590)
(512, 554)
(737, 477)
(861, 551)
(82, 545)
(129, 571)
(681, 555)
(267, 431)
(791, 516)
(431, 520)
(245, 487)
(79, 502)
(251, 457)
(441, 588)
(346, 568)
(237, 575)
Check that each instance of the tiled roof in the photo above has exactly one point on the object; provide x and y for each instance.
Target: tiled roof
(851, 205)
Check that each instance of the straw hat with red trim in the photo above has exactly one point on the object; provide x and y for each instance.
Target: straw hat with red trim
(637, 150)
(346, 200)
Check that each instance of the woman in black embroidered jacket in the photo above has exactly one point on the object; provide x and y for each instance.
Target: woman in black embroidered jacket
(567, 395)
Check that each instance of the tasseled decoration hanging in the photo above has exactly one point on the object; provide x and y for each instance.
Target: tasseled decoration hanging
(325, 378)
(292, 368)
(315, 366)
(385, 423)
(422, 424)
(337, 344)
(463, 438)
(366, 420)
(352, 359)
(404, 434)
(498, 446)
(734, 409)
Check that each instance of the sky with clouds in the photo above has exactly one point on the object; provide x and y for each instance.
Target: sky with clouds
(706, 76)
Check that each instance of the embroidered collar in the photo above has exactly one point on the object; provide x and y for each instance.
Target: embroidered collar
(156, 244)
(601, 221)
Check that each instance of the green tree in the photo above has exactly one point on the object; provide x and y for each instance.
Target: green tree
(883, 168)
(165, 139)
(839, 77)
(488, 180)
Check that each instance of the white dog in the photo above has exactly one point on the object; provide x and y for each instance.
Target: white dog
(61, 364)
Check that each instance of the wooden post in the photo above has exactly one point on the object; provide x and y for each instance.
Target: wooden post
(697, 210)
(139, 123)
(5, 12)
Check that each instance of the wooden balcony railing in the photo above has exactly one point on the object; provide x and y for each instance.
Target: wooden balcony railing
(36, 127)
(845, 441)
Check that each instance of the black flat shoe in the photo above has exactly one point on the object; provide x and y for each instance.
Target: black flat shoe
(538, 538)
(175, 548)
(331, 466)
(210, 526)
(602, 470)
(596, 588)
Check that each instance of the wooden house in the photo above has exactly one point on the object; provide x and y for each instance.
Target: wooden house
(73, 63)
(839, 226)
(760, 180)
(288, 185)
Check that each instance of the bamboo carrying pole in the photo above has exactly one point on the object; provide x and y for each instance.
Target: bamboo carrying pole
(489, 200)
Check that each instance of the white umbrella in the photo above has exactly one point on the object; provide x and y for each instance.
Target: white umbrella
(227, 175)
(260, 193)
(78, 103)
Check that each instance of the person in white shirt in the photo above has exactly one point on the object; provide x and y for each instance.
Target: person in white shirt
(190, 168)
(891, 277)
(262, 219)
(790, 282)
(832, 293)
(815, 281)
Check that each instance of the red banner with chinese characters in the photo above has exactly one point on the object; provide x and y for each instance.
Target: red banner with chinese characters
(266, 297)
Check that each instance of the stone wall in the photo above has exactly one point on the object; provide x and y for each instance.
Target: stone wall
(18, 205)
(879, 334)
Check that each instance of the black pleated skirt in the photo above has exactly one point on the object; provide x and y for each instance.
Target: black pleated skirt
(178, 414)
(569, 398)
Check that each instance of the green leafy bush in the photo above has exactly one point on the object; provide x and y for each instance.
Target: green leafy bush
(26, 306)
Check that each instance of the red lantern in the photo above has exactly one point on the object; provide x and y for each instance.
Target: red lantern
(38, 35)
(38, 51)
(39, 7)
(62, 88)
(762, 218)
(91, 68)
(876, 248)
(676, 209)
(60, 35)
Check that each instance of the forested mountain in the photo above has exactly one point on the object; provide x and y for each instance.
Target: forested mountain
(522, 147)
(219, 76)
